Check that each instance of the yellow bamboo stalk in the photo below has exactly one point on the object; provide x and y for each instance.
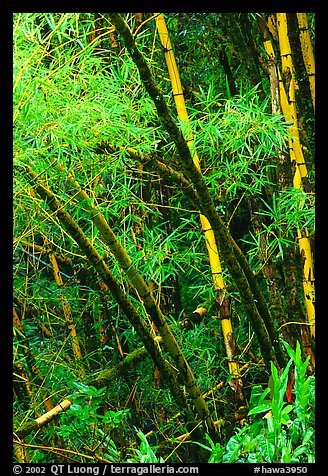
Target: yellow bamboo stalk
(66, 308)
(290, 115)
(287, 66)
(301, 170)
(288, 103)
(218, 281)
(34, 425)
(296, 155)
(307, 51)
(49, 416)
(33, 368)
(272, 26)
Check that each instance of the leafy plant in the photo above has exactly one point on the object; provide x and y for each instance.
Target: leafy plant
(279, 432)
(145, 453)
(84, 420)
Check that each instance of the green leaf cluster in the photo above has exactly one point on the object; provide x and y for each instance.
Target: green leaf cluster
(278, 432)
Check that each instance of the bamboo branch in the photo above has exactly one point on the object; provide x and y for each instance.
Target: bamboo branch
(38, 423)
(106, 377)
(152, 162)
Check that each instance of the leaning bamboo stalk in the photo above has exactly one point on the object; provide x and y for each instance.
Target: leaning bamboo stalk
(126, 305)
(49, 416)
(206, 205)
(149, 302)
(39, 422)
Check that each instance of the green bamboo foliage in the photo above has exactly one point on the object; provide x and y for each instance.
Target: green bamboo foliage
(206, 204)
(116, 313)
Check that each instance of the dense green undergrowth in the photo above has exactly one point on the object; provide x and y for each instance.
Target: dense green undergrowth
(74, 94)
(279, 428)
